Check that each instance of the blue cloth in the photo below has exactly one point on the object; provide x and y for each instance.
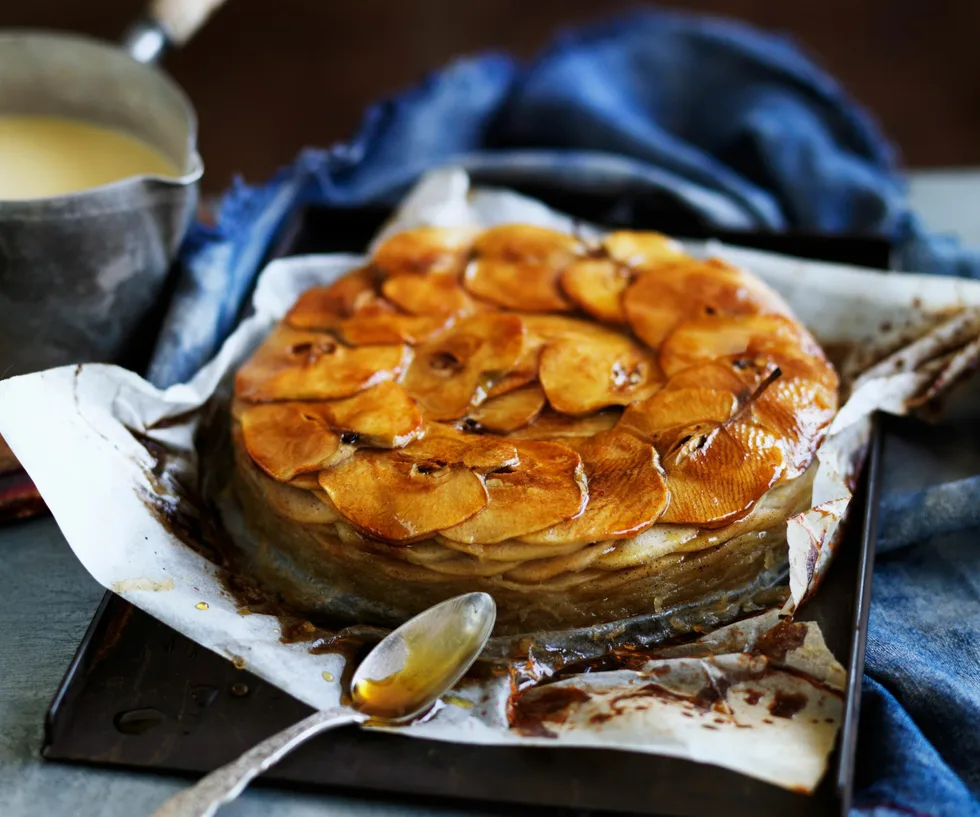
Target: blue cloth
(741, 128)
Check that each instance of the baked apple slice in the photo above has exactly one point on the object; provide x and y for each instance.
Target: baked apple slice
(452, 373)
(448, 445)
(429, 295)
(550, 425)
(396, 500)
(516, 266)
(642, 248)
(432, 250)
(511, 411)
(547, 487)
(627, 491)
(289, 439)
(582, 375)
(294, 365)
(318, 308)
(389, 328)
(596, 286)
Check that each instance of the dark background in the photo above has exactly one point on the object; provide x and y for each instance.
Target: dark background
(270, 76)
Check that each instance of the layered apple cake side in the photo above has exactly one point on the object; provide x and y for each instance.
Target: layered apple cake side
(586, 430)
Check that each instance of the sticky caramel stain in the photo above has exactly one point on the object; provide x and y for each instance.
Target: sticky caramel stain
(787, 704)
(458, 700)
(238, 662)
(529, 713)
(781, 640)
(327, 676)
(753, 696)
(202, 605)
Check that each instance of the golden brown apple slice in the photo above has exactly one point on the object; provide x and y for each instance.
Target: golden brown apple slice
(434, 250)
(510, 411)
(288, 439)
(383, 416)
(448, 445)
(392, 499)
(429, 295)
(517, 266)
(452, 372)
(661, 298)
(547, 487)
(596, 286)
(718, 474)
(772, 337)
(389, 328)
(627, 492)
(642, 249)
(550, 425)
(318, 308)
(293, 365)
(671, 409)
(580, 376)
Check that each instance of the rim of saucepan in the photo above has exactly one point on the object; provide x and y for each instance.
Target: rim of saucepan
(192, 159)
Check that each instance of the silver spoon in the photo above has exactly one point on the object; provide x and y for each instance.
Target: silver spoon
(400, 678)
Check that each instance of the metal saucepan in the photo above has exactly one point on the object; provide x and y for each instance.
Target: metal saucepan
(79, 272)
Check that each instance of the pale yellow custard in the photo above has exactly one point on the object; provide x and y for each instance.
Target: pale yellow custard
(42, 156)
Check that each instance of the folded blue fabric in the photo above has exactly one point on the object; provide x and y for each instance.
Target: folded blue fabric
(742, 129)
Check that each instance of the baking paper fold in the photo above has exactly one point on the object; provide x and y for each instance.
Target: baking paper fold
(762, 696)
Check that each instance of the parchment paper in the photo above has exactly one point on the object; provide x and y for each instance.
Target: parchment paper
(761, 696)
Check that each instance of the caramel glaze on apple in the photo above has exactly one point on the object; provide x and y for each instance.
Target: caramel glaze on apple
(519, 406)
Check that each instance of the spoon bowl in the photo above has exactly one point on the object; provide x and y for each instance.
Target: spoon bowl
(404, 675)
(424, 658)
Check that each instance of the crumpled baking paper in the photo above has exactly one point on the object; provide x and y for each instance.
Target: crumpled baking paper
(762, 696)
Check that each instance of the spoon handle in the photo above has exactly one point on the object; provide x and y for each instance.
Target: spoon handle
(225, 783)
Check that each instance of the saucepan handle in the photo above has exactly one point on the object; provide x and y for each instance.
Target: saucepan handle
(168, 23)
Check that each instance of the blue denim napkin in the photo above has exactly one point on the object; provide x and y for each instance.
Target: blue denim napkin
(741, 128)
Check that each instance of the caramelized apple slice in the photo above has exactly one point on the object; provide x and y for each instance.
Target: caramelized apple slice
(547, 487)
(510, 411)
(517, 266)
(661, 298)
(718, 474)
(582, 376)
(550, 425)
(288, 439)
(320, 307)
(292, 365)
(450, 446)
(452, 372)
(596, 286)
(392, 499)
(672, 409)
(772, 337)
(642, 249)
(627, 492)
(434, 250)
(429, 295)
(383, 416)
(390, 328)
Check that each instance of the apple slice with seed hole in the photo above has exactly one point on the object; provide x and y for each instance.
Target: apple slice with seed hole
(294, 365)
(547, 487)
(401, 501)
(446, 444)
(660, 299)
(452, 373)
(580, 376)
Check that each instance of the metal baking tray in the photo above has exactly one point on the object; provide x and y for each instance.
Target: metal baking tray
(138, 694)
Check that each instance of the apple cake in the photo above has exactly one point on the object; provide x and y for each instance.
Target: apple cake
(587, 430)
